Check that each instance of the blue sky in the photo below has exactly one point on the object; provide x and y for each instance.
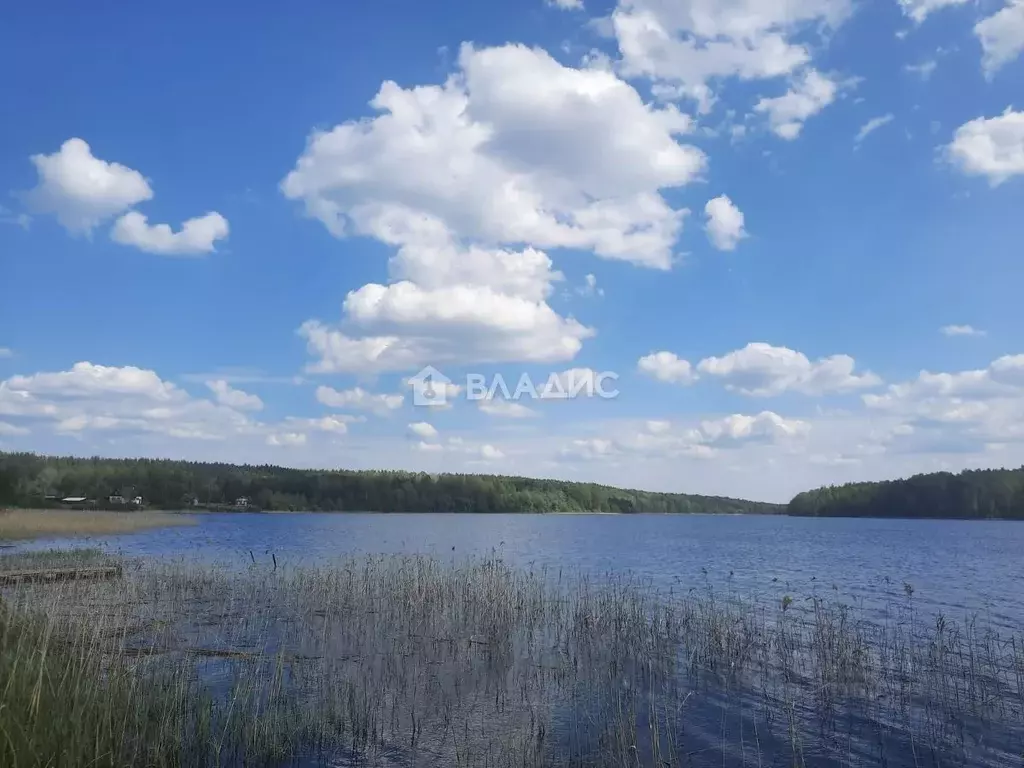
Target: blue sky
(792, 229)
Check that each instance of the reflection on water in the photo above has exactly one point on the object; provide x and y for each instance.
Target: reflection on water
(734, 641)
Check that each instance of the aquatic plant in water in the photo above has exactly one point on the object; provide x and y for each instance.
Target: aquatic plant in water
(407, 660)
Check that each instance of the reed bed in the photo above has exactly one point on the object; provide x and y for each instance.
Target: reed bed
(411, 661)
(17, 524)
(85, 557)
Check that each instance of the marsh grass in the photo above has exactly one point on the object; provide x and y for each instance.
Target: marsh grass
(411, 661)
(18, 524)
(86, 557)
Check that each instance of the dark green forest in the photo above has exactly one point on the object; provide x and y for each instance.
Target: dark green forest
(972, 494)
(29, 480)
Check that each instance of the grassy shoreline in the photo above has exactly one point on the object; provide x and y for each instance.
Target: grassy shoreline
(392, 659)
(25, 524)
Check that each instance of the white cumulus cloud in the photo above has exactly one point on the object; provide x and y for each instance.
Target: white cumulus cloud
(919, 10)
(689, 46)
(1001, 36)
(513, 148)
(740, 428)
(589, 448)
(449, 303)
(666, 366)
(424, 430)
(703, 439)
(235, 398)
(97, 397)
(359, 398)
(197, 236)
(86, 379)
(763, 370)
(990, 147)
(83, 191)
(962, 411)
(333, 423)
(489, 452)
(468, 181)
(809, 93)
(724, 223)
(137, 402)
(457, 324)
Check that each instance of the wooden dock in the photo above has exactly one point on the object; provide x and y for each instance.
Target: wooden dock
(49, 575)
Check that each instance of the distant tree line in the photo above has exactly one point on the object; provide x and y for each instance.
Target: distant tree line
(972, 494)
(30, 480)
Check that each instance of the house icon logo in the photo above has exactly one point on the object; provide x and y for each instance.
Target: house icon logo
(429, 387)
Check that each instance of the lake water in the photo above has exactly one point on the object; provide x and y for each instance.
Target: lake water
(955, 567)
(962, 569)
